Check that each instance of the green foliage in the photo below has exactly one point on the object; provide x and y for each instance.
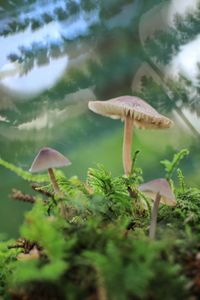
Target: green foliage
(23, 174)
(27, 271)
(47, 233)
(181, 180)
(167, 94)
(45, 230)
(27, 176)
(72, 186)
(171, 166)
(187, 210)
(135, 269)
(166, 44)
(135, 178)
(91, 241)
(7, 257)
(102, 182)
(156, 95)
(114, 191)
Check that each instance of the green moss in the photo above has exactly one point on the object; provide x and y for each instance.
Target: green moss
(91, 242)
(187, 210)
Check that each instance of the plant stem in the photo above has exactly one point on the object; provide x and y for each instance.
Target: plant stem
(127, 159)
(53, 181)
(154, 214)
(101, 290)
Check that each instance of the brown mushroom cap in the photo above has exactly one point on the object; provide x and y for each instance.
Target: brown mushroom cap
(143, 114)
(162, 187)
(48, 158)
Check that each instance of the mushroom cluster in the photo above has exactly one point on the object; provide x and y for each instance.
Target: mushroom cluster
(135, 112)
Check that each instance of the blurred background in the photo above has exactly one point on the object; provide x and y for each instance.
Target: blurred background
(57, 55)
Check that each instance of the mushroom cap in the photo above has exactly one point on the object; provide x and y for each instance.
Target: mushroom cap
(162, 187)
(48, 158)
(142, 114)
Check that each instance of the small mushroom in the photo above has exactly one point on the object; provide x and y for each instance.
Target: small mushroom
(33, 254)
(158, 190)
(135, 112)
(47, 159)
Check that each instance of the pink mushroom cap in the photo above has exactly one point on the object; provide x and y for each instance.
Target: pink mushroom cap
(48, 158)
(162, 187)
(142, 114)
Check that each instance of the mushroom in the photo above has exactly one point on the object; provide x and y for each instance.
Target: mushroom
(47, 159)
(158, 190)
(135, 112)
(33, 254)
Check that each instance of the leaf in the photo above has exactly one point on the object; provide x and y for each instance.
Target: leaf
(171, 166)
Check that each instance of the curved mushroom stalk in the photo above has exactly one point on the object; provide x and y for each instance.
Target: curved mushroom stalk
(127, 142)
(134, 111)
(158, 190)
(47, 159)
(154, 215)
(53, 181)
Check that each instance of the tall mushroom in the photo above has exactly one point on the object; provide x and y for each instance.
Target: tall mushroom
(158, 190)
(135, 112)
(47, 159)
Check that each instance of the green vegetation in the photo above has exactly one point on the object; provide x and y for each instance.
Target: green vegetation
(92, 242)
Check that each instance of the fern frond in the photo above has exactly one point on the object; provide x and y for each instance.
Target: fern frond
(181, 179)
(171, 166)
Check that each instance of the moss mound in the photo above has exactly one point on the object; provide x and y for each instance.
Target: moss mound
(91, 241)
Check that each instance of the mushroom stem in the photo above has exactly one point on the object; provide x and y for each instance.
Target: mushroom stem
(53, 181)
(127, 159)
(154, 214)
(101, 290)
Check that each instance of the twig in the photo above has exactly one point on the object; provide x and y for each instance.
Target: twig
(40, 190)
(25, 244)
(18, 195)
